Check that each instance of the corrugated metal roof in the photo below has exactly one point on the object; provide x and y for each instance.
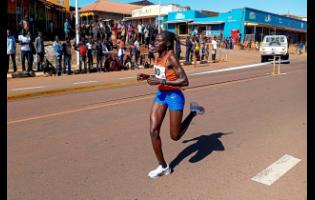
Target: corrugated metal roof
(110, 7)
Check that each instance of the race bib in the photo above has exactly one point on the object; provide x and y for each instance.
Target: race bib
(159, 72)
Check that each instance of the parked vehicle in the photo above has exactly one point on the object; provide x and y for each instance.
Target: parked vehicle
(274, 45)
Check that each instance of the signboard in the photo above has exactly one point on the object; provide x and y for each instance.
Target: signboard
(154, 10)
(62, 3)
(179, 16)
(261, 17)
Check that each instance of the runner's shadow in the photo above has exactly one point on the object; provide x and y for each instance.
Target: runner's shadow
(205, 145)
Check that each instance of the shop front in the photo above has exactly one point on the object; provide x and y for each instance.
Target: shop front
(259, 23)
(41, 14)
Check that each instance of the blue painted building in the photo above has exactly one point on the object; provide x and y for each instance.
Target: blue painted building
(248, 23)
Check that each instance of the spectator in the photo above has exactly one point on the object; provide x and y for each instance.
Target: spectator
(189, 46)
(67, 29)
(11, 47)
(121, 52)
(66, 48)
(40, 51)
(136, 51)
(58, 55)
(146, 36)
(99, 55)
(82, 56)
(89, 46)
(151, 52)
(214, 49)
(140, 32)
(177, 48)
(25, 39)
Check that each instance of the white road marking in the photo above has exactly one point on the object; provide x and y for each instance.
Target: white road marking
(84, 82)
(130, 77)
(233, 68)
(274, 171)
(27, 88)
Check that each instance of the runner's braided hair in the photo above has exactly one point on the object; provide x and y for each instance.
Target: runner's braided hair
(170, 38)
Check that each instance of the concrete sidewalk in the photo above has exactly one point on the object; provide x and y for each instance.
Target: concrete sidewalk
(69, 83)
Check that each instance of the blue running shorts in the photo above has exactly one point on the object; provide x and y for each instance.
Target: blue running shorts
(173, 99)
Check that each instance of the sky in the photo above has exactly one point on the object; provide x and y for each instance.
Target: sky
(295, 7)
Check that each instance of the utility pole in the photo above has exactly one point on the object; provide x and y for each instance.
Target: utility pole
(159, 22)
(77, 28)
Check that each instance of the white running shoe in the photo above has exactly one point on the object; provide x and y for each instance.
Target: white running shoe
(194, 107)
(160, 171)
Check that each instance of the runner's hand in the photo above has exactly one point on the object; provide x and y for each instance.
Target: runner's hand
(152, 80)
(142, 76)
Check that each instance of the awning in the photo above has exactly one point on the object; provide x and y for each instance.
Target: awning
(206, 23)
(178, 21)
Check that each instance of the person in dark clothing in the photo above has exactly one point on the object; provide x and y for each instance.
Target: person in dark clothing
(40, 51)
(99, 55)
(189, 46)
(177, 48)
(66, 49)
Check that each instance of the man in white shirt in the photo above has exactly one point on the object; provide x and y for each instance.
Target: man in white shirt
(25, 39)
(214, 48)
(140, 32)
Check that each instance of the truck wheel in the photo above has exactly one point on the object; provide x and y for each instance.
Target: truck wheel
(263, 59)
(286, 57)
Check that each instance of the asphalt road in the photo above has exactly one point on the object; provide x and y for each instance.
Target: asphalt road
(96, 144)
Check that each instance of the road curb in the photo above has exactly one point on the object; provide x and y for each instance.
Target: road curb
(71, 90)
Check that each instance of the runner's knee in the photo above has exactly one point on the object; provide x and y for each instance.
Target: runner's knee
(154, 133)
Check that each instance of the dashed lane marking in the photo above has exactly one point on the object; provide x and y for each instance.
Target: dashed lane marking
(277, 169)
(84, 82)
(27, 88)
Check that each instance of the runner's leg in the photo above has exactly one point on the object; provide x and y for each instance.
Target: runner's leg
(157, 115)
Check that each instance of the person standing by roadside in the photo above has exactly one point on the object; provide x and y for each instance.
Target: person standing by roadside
(99, 55)
(89, 46)
(151, 52)
(25, 40)
(136, 51)
(66, 49)
(121, 52)
(11, 49)
(214, 48)
(67, 29)
(177, 48)
(82, 56)
(40, 51)
(58, 54)
(189, 46)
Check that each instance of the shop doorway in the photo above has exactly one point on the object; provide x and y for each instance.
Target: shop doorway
(183, 29)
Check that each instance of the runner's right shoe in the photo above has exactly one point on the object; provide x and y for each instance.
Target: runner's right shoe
(160, 171)
(195, 107)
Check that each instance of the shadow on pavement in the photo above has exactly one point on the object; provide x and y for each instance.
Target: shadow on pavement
(204, 145)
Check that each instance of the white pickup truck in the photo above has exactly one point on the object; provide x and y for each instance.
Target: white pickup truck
(274, 45)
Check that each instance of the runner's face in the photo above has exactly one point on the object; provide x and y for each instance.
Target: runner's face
(160, 43)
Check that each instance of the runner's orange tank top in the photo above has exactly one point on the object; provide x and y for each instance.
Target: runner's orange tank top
(162, 72)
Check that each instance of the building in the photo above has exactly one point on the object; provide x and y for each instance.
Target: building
(40, 13)
(105, 9)
(250, 24)
(142, 3)
(154, 13)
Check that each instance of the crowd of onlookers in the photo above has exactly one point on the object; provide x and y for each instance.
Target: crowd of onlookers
(106, 46)
(103, 46)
